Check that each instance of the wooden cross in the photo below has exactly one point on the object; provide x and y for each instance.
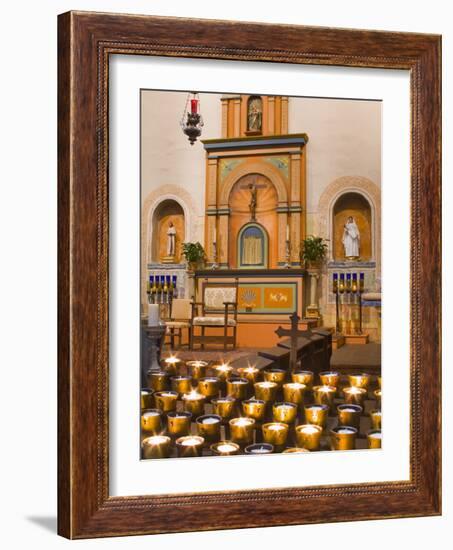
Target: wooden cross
(294, 333)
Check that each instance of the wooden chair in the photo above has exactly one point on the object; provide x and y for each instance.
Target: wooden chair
(218, 311)
(180, 319)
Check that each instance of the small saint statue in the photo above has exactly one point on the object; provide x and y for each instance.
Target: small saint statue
(254, 115)
(253, 201)
(171, 240)
(351, 239)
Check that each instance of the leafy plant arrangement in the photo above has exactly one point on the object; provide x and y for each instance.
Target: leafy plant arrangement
(313, 250)
(194, 253)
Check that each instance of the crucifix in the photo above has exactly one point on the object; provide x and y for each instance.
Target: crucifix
(253, 187)
(294, 333)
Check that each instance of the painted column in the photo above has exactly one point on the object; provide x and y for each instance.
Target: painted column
(282, 224)
(271, 115)
(222, 238)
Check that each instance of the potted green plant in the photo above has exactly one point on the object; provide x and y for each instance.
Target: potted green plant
(194, 254)
(313, 251)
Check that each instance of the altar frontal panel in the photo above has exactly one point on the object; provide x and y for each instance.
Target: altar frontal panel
(260, 298)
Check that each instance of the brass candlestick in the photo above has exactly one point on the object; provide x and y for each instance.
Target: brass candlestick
(146, 399)
(303, 377)
(178, 423)
(242, 430)
(189, 445)
(193, 402)
(151, 421)
(376, 419)
(316, 414)
(349, 415)
(181, 384)
(225, 448)
(158, 380)
(254, 408)
(374, 439)
(308, 436)
(354, 395)
(209, 386)
(342, 438)
(156, 446)
(166, 400)
(275, 375)
(208, 426)
(266, 391)
(284, 412)
(276, 433)
(294, 392)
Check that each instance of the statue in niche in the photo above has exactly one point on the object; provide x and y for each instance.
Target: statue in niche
(255, 114)
(171, 240)
(351, 239)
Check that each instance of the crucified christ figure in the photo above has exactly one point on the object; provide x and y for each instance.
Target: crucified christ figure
(253, 201)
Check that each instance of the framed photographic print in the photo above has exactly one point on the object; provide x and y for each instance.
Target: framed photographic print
(249, 275)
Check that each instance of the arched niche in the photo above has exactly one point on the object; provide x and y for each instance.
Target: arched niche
(254, 114)
(252, 247)
(168, 211)
(265, 215)
(356, 205)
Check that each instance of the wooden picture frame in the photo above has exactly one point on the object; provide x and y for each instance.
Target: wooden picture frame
(85, 41)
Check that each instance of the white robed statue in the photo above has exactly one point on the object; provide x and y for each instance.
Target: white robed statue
(171, 240)
(351, 239)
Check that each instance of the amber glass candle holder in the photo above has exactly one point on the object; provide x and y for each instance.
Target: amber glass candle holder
(330, 378)
(355, 395)
(208, 426)
(374, 439)
(178, 423)
(294, 392)
(151, 421)
(359, 380)
(308, 436)
(349, 415)
(252, 374)
(209, 386)
(193, 402)
(303, 377)
(275, 375)
(189, 445)
(224, 407)
(316, 414)
(225, 448)
(156, 446)
(284, 412)
(342, 438)
(146, 399)
(266, 391)
(158, 380)
(378, 396)
(324, 395)
(254, 408)
(291, 450)
(276, 433)
(181, 384)
(166, 400)
(197, 369)
(171, 364)
(259, 449)
(237, 388)
(242, 430)
(376, 419)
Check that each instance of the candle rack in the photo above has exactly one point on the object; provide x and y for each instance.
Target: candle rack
(352, 285)
(183, 415)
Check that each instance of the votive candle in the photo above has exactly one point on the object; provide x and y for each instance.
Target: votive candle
(178, 423)
(208, 426)
(374, 439)
(316, 414)
(193, 402)
(225, 448)
(166, 400)
(308, 436)
(151, 421)
(242, 430)
(349, 415)
(156, 446)
(276, 434)
(342, 438)
(189, 445)
(266, 391)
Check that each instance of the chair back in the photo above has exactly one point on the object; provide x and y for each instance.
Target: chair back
(214, 297)
(181, 309)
